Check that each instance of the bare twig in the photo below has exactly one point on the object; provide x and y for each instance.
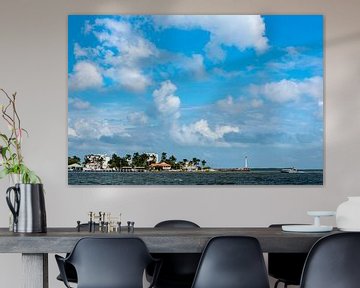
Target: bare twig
(14, 124)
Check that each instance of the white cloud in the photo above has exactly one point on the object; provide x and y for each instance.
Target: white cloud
(87, 52)
(256, 103)
(192, 66)
(238, 105)
(295, 58)
(127, 41)
(195, 65)
(137, 118)
(72, 132)
(112, 32)
(123, 55)
(165, 101)
(227, 74)
(94, 129)
(290, 90)
(196, 133)
(85, 75)
(199, 133)
(313, 86)
(240, 31)
(120, 53)
(131, 51)
(283, 91)
(79, 104)
(88, 27)
(228, 103)
(79, 51)
(130, 78)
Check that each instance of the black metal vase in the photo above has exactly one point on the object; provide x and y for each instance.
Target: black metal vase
(28, 208)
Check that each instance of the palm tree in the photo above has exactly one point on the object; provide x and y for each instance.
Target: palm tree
(86, 159)
(137, 160)
(123, 162)
(101, 162)
(163, 157)
(143, 160)
(203, 163)
(114, 161)
(196, 161)
(74, 160)
(128, 158)
(172, 161)
(181, 164)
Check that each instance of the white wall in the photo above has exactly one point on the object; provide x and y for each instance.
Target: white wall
(33, 62)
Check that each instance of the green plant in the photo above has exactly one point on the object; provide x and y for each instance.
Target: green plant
(12, 161)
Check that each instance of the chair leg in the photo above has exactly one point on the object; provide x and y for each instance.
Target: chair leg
(278, 282)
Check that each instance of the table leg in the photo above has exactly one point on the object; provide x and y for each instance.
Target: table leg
(35, 270)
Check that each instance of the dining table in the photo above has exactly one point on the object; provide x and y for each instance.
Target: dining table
(35, 247)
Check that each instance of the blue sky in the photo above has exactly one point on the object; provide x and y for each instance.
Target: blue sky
(217, 87)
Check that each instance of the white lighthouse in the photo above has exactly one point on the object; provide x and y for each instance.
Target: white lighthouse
(246, 168)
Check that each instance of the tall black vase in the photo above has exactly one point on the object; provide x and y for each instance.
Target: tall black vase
(27, 207)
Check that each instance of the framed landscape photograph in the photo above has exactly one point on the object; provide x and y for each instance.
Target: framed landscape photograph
(195, 100)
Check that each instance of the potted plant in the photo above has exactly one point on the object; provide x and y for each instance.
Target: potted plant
(27, 204)
(12, 161)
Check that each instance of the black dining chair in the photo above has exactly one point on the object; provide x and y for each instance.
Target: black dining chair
(232, 262)
(286, 267)
(333, 262)
(108, 263)
(178, 269)
(70, 271)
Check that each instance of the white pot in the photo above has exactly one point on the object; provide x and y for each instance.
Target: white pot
(348, 215)
(14, 179)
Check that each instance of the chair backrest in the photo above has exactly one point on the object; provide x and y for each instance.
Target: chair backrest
(232, 262)
(286, 266)
(178, 269)
(110, 262)
(176, 224)
(333, 262)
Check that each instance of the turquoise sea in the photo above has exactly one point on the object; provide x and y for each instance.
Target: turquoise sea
(254, 177)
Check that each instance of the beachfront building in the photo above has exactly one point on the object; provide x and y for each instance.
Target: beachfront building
(160, 166)
(152, 157)
(190, 168)
(96, 162)
(75, 167)
(105, 164)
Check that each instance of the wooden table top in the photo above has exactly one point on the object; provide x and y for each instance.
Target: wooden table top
(158, 240)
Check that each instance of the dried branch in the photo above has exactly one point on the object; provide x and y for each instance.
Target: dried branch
(12, 159)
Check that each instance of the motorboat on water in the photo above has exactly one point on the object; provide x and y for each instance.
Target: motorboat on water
(289, 170)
